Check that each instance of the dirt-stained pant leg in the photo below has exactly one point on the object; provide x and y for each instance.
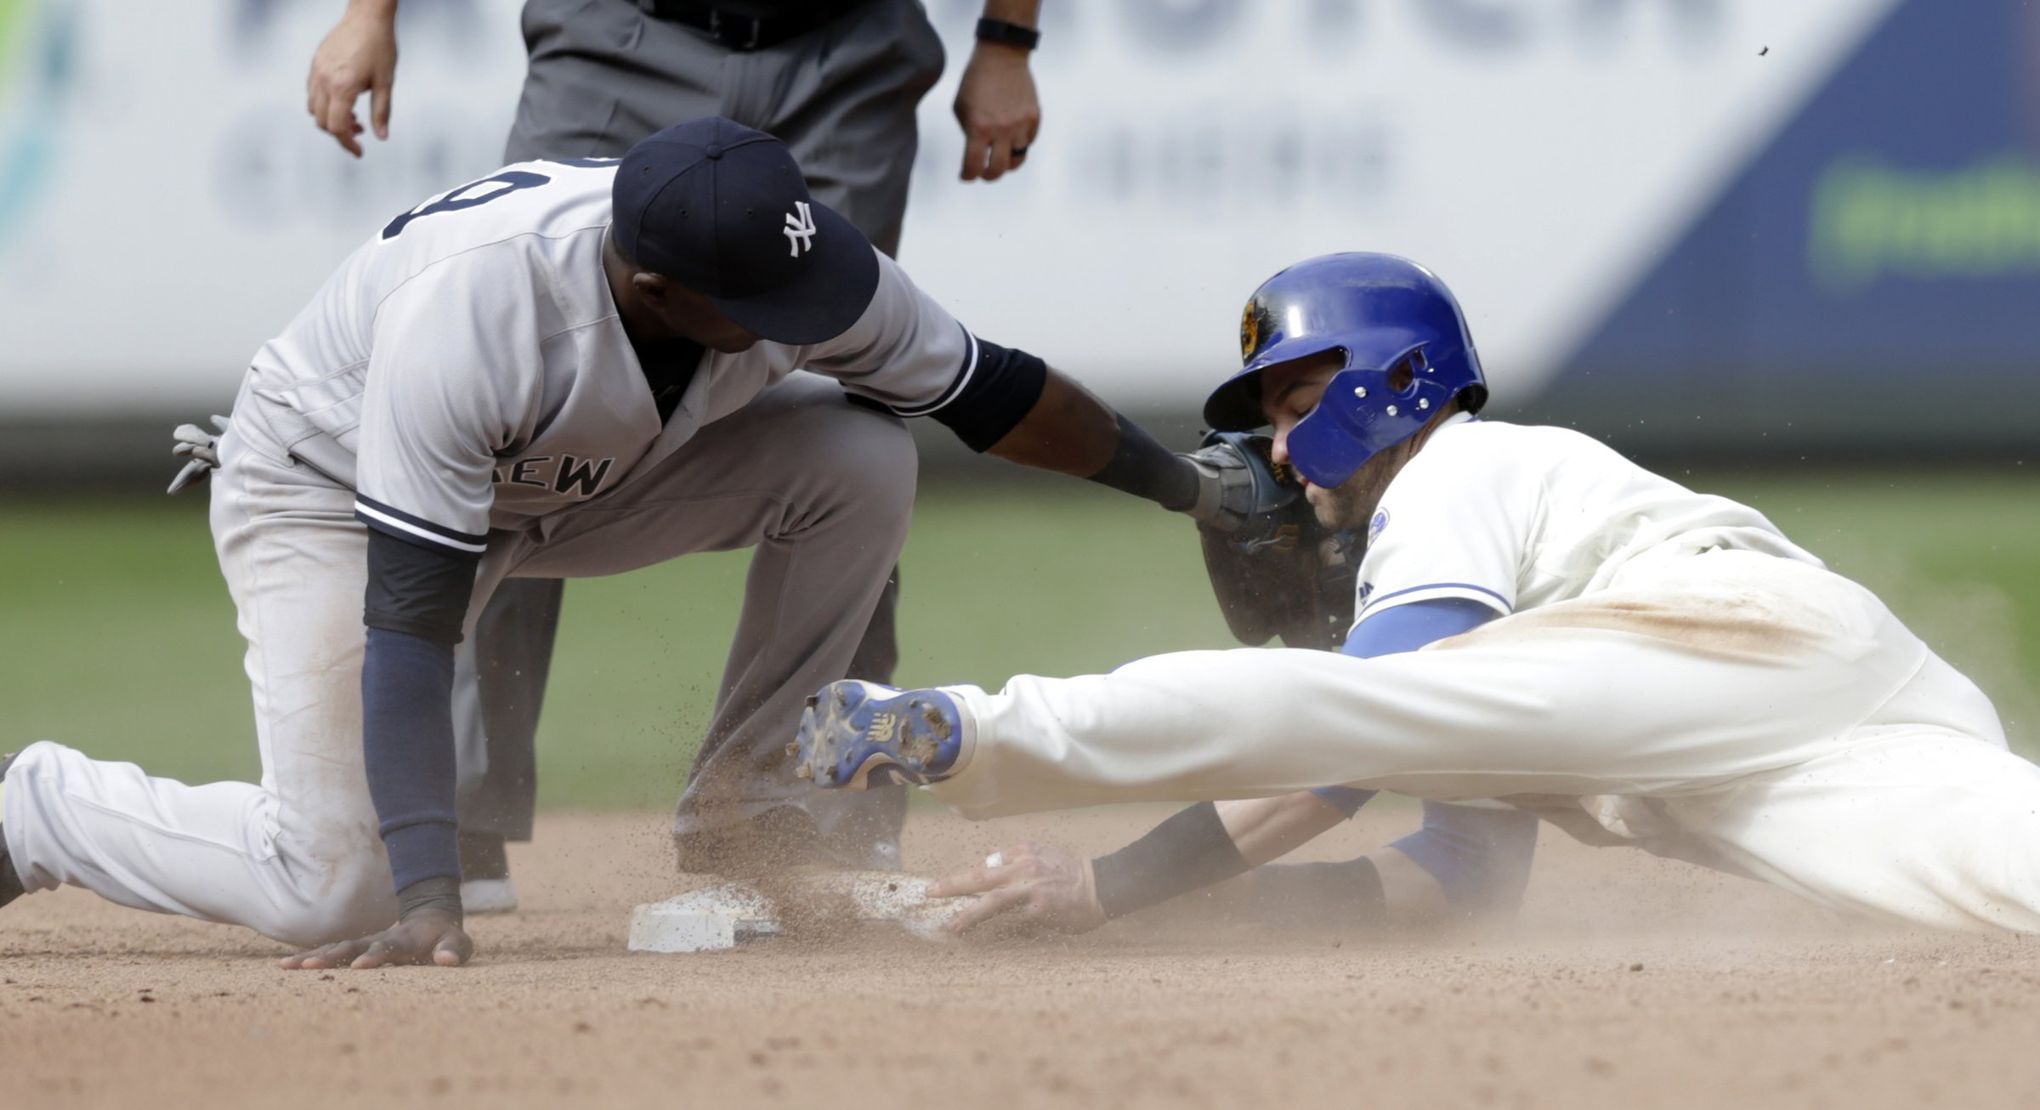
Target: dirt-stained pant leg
(1924, 817)
(823, 489)
(602, 76)
(297, 857)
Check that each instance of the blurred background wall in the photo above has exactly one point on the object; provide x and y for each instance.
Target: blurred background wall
(1691, 226)
(1787, 251)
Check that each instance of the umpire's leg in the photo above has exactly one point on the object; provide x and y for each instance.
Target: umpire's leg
(843, 98)
(585, 60)
(827, 520)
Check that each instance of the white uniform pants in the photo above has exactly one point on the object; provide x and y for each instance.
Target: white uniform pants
(822, 488)
(1756, 713)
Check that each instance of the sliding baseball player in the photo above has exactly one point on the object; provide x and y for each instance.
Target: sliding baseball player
(1539, 621)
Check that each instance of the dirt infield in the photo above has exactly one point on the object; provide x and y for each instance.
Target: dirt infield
(1628, 981)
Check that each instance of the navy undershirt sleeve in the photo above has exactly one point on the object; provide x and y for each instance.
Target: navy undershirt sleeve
(1001, 390)
(414, 607)
(417, 589)
(407, 743)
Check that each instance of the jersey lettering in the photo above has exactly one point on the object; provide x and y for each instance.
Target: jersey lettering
(510, 181)
(566, 474)
(582, 476)
(523, 472)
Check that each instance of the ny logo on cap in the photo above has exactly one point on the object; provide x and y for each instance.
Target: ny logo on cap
(800, 229)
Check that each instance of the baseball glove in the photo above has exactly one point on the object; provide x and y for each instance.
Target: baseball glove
(1276, 570)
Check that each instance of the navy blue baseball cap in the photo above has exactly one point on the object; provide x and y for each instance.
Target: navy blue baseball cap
(723, 211)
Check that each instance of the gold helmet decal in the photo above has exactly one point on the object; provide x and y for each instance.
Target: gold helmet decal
(1250, 330)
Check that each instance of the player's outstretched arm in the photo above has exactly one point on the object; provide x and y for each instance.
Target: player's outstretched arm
(359, 55)
(1057, 889)
(1070, 430)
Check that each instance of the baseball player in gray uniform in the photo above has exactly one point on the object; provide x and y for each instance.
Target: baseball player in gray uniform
(562, 369)
(839, 82)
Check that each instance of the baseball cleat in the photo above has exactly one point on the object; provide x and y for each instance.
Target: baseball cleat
(488, 896)
(857, 734)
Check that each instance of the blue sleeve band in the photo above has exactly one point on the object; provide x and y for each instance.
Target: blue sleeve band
(407, 743)
(1409, 627)
(1480, 856)
(1345, 799)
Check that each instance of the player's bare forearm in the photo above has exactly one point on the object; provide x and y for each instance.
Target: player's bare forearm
(1265, 829)
(1071, 431)
(1024, 12)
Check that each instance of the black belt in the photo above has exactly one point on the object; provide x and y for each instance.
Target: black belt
(742, 31)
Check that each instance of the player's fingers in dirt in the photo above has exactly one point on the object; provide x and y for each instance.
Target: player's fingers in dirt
(968, 880)
(337, 954)
(988, 906)
(998, 870)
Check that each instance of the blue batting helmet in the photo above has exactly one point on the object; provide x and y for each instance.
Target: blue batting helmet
(1406, 349)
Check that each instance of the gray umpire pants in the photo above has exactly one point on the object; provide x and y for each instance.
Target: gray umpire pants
(603, 75)
(296, 857)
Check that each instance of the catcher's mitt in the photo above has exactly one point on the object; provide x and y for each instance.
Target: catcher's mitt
(1276, 571)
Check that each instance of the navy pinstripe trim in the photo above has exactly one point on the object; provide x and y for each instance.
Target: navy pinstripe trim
(405, 526)
(1506, 607)
(955, 390)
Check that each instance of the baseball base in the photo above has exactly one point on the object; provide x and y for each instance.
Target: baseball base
(722, 917)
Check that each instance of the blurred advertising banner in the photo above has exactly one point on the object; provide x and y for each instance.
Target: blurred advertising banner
(1692, 208)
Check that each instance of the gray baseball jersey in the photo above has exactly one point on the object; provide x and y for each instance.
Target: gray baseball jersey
(466, 368)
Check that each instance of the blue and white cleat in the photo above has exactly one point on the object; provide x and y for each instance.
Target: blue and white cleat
(856, 734)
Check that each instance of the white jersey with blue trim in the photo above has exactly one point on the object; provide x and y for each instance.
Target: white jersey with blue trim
(466, 368)
(1515, 517)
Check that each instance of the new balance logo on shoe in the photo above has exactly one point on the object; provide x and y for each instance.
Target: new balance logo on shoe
(800, 229)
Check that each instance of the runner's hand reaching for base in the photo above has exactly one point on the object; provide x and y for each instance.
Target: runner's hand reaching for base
(1042, 885)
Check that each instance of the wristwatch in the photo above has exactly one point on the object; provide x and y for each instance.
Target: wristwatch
(1008, 34)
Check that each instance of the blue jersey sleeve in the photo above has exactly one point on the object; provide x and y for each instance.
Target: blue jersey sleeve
(1409, 627)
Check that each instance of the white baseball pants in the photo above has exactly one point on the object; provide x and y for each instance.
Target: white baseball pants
(821, 488)
(1758, 714)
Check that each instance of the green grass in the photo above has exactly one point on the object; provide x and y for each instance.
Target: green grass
(119, 639)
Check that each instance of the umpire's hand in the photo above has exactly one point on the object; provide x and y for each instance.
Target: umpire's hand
(358, 56)
(996, 105)
(1041, 885)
